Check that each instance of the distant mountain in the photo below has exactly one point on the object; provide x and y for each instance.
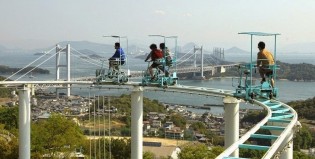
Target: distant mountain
(82, 45)
(188, 47)
(95, 56)
(235, 50)
(108, 49)
(87, 52)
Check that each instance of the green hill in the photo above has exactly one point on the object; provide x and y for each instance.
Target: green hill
(8, 70)
(292, 72)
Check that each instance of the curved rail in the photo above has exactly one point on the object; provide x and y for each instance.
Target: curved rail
(280, 117)
(277, 112)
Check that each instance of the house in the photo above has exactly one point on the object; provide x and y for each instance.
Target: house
(44, 116)
(153, 132)
(146, 125)
(174, 133)
(153, 115)
(168, 125)
(201, 138)
(156, 123)
(162, 116)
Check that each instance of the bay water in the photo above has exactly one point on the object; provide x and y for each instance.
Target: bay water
(288, 90)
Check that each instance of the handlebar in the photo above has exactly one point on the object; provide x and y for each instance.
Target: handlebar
(114, 59)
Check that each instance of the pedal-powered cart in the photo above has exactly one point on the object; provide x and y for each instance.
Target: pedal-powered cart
(116, 74)
(247, 87)
(111, 76)
(161, 79)
(163, 75)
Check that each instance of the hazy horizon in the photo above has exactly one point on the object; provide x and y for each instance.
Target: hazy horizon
(38, 24)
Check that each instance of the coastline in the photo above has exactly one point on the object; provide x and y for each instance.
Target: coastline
(231, 77)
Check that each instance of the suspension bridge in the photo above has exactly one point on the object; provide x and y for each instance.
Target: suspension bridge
(193, 61)
(281, 119)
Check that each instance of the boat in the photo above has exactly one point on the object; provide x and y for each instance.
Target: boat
(31, 76)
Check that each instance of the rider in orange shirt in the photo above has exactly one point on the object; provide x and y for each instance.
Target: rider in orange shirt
(264, 59)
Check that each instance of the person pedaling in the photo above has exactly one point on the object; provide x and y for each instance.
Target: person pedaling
(156, 56)
(117, 59)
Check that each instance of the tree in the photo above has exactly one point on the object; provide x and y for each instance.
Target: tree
(8, 144)
(301, 155)
(119, 148)
(198, 150)
(254, 116)
(56, 134)
(9, 117)
(148, 155)
(178, 120)
(303, 139)
(255, 154)
(199, 126)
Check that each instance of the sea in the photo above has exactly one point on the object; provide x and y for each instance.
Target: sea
(288, 90)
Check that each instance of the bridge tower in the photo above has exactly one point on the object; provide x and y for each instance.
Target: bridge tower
(219, 53)
(59, 51)
(195, 62)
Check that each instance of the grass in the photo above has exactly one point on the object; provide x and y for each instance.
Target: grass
(99, 124)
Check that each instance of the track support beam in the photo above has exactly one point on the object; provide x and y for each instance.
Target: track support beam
(231, 118)
(136, 122)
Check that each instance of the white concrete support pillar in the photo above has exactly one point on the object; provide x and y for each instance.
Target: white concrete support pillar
(68, 69)
(231, 118)
(24, 124)
(288, 151)
(136, 122)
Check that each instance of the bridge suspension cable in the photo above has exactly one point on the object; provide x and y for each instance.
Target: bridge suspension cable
(29, 64)
(185, 54)
(86, 57)
(186, 59)
(212, 59)
(36, 66)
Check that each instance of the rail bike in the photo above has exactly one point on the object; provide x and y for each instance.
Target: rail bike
(162, 77)
(247, 87)
(114, 75)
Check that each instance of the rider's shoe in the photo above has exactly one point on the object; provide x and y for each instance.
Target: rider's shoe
(153, 78)
(167, 74)
(263, 80)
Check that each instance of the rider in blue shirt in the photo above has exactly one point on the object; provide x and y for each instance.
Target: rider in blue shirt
(118, 58)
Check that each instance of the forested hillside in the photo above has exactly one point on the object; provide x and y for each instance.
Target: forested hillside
(305, 108)
(292, 72)
(4, 92)
(9, 70)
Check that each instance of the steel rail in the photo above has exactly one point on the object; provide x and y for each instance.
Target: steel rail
(275, 148)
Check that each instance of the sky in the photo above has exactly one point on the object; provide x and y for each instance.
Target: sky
(212, 23)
